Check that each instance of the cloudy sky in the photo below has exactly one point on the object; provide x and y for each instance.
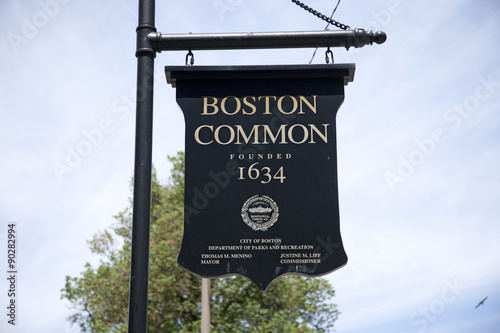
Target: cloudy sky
(418, 147)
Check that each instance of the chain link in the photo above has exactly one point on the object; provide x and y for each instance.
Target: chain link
(322, 16)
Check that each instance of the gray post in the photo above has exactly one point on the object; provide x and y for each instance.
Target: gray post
(205, 305)
(139, 267)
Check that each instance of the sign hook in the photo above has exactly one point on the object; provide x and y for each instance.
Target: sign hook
(327, 54)
(190, 57)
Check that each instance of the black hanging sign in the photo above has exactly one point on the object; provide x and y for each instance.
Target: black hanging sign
(261, 193)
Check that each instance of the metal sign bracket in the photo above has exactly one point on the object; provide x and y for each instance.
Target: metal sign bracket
(149, 42)
(265, 40)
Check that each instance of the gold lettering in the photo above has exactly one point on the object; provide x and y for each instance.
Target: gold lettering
(280, 105)
(217, 138)
(247, 103)
(255, 131)
(261, 134)
(206, 105)
(315, 129)
(267, 102)
(304, 136)
(223, 105)
(303, 99)
(273, 138)
(211, 107)
(197, 134)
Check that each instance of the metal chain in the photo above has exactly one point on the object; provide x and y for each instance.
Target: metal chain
(322, 16)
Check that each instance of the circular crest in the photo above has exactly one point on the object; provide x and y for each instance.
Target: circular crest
(260, 212)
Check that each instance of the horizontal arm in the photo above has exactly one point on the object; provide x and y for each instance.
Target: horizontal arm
(265, 40)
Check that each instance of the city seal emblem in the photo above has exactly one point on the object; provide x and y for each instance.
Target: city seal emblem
(260, 212)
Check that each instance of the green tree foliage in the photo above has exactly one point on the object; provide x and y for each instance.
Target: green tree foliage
(99, 295)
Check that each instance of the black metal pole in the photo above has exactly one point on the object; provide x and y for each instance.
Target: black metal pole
(139, 267)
